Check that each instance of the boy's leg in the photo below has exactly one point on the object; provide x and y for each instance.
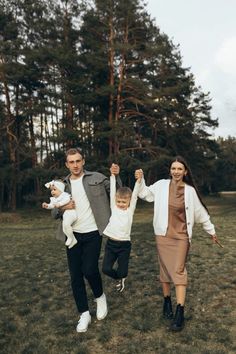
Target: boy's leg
(123, 259)
(69, 217)
(110, 256)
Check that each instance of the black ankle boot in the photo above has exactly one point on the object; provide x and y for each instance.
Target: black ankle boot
(167, 308)
(178, 322)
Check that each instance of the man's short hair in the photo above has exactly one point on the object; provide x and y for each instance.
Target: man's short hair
(73, 151)
(124, 192)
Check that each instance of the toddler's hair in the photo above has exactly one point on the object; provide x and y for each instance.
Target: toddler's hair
(124, 192)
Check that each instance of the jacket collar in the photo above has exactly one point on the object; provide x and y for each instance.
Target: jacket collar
(86, 173)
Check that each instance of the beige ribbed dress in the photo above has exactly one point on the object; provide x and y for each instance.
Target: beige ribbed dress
(173, 247)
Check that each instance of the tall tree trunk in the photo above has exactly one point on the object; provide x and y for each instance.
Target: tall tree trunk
(120, 87)
(41, 138)
(69, 120)
(12, 142)
(111, 80)
(34, 158)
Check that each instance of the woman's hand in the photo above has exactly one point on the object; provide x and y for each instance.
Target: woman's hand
(215, 240)
(138, 174)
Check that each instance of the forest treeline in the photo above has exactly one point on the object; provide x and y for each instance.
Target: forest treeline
(100, 75)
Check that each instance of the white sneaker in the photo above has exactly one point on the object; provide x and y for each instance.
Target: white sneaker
(120, 285)
(101, 307)
(84, 321)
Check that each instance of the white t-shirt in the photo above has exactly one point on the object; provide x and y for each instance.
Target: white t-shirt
(85, 221)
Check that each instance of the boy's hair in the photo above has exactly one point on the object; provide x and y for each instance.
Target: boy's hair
(73, 151)
(124, 192)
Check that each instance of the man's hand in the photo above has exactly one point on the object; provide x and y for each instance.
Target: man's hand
(115, 169)
(68, 206)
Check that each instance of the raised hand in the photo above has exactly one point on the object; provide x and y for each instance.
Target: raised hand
(115, 169)
(138, 174)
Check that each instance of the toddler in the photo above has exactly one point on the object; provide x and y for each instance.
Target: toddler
(58, 199)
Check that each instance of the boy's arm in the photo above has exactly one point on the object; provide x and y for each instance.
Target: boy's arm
(114, 170)
(112, 191)
(135, 193)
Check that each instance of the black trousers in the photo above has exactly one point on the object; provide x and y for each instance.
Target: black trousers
(116, 251)
(83, 263)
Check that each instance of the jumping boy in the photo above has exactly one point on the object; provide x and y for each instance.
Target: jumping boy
(118, 246)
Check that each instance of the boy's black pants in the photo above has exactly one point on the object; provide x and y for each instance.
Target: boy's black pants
(116, 251)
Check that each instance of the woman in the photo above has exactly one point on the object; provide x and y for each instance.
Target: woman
(177, 206)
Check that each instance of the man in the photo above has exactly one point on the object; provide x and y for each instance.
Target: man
(90, 198)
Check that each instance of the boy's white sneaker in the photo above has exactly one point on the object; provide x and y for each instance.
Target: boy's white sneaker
(101, 307)
(120, 285)
(83, 323)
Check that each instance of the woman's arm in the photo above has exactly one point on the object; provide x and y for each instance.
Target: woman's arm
(201, 216)
(145, 193)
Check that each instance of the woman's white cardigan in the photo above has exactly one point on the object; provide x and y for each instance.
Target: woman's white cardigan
(194, 210)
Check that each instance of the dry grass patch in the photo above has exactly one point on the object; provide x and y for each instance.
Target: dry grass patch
(9, 218)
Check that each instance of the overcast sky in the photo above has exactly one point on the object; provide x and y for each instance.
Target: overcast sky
(206, 33)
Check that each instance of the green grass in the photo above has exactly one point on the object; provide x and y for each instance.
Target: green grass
(38, 314)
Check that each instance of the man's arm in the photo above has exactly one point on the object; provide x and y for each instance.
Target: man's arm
(57, 213)
(63, 201)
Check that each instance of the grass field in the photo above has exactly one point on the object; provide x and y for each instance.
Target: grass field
(38, 314)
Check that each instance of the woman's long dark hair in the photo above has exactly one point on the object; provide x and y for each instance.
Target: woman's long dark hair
(189, 177)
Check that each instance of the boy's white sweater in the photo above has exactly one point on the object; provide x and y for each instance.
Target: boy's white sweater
(120, 223)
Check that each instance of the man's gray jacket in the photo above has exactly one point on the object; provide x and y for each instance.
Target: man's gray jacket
(97, 189)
